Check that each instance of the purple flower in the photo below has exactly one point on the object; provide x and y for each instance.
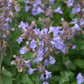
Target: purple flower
(38, 2)
(41, 43)
(36, 11)
(70, 3)
(52, 2)
(44, 31)
(45, 82)
(27, 2)
(27, 8)
(74, 46)
(6, 26)
(78, 8)
(27, 63)
(40, 51)
(33, 44)
(23, 50)
(38, 59)
(73, 10)
(42, 77)
(75, 21)
(31, 71)
(8, 20)
(58, 10)
(81, 21)
(48, 74)
(79, 78)
(37, 31)
(46, 62)
(51, 29)
(52, 60)
(77, 27)
(19, 40)
(22, 25)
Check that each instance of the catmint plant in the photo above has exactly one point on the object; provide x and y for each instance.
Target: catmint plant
(47, 39)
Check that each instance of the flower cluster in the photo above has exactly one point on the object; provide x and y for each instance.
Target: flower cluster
(77, 9)
(47, 39)
(39, 7)
(6, 15)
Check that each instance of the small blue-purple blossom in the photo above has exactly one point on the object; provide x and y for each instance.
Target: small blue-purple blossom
(8, 20)
(44, 31)
(70, 3)
(46, 62)
(31, 71)
(52, 2)
(79, 78)
(38, 2)
(58, 10)
(41, 43)
(19, 40)
(82, 21)
(27, 8)
(36, 11)
(33, 44)
(75, 21)
(42, 77)
(22, 25)
(40, 51)
(77, 27)
(45, 82)
(76, 9)
(74, 46)
(48, 74)
(6, 26)
(23, 50)
(38, 59)
(27, 63)
(37, 31)
(39, 55)
(27, 2)
(52, 60)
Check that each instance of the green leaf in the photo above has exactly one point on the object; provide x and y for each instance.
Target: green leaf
(5, 79)
(55, 67)
(79, 63)
(76, 82)
(72, 66)
(20, 0)
(7, 73)
(26, 79)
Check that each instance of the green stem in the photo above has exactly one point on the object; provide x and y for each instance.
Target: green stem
(0, 79)
(1, 61)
